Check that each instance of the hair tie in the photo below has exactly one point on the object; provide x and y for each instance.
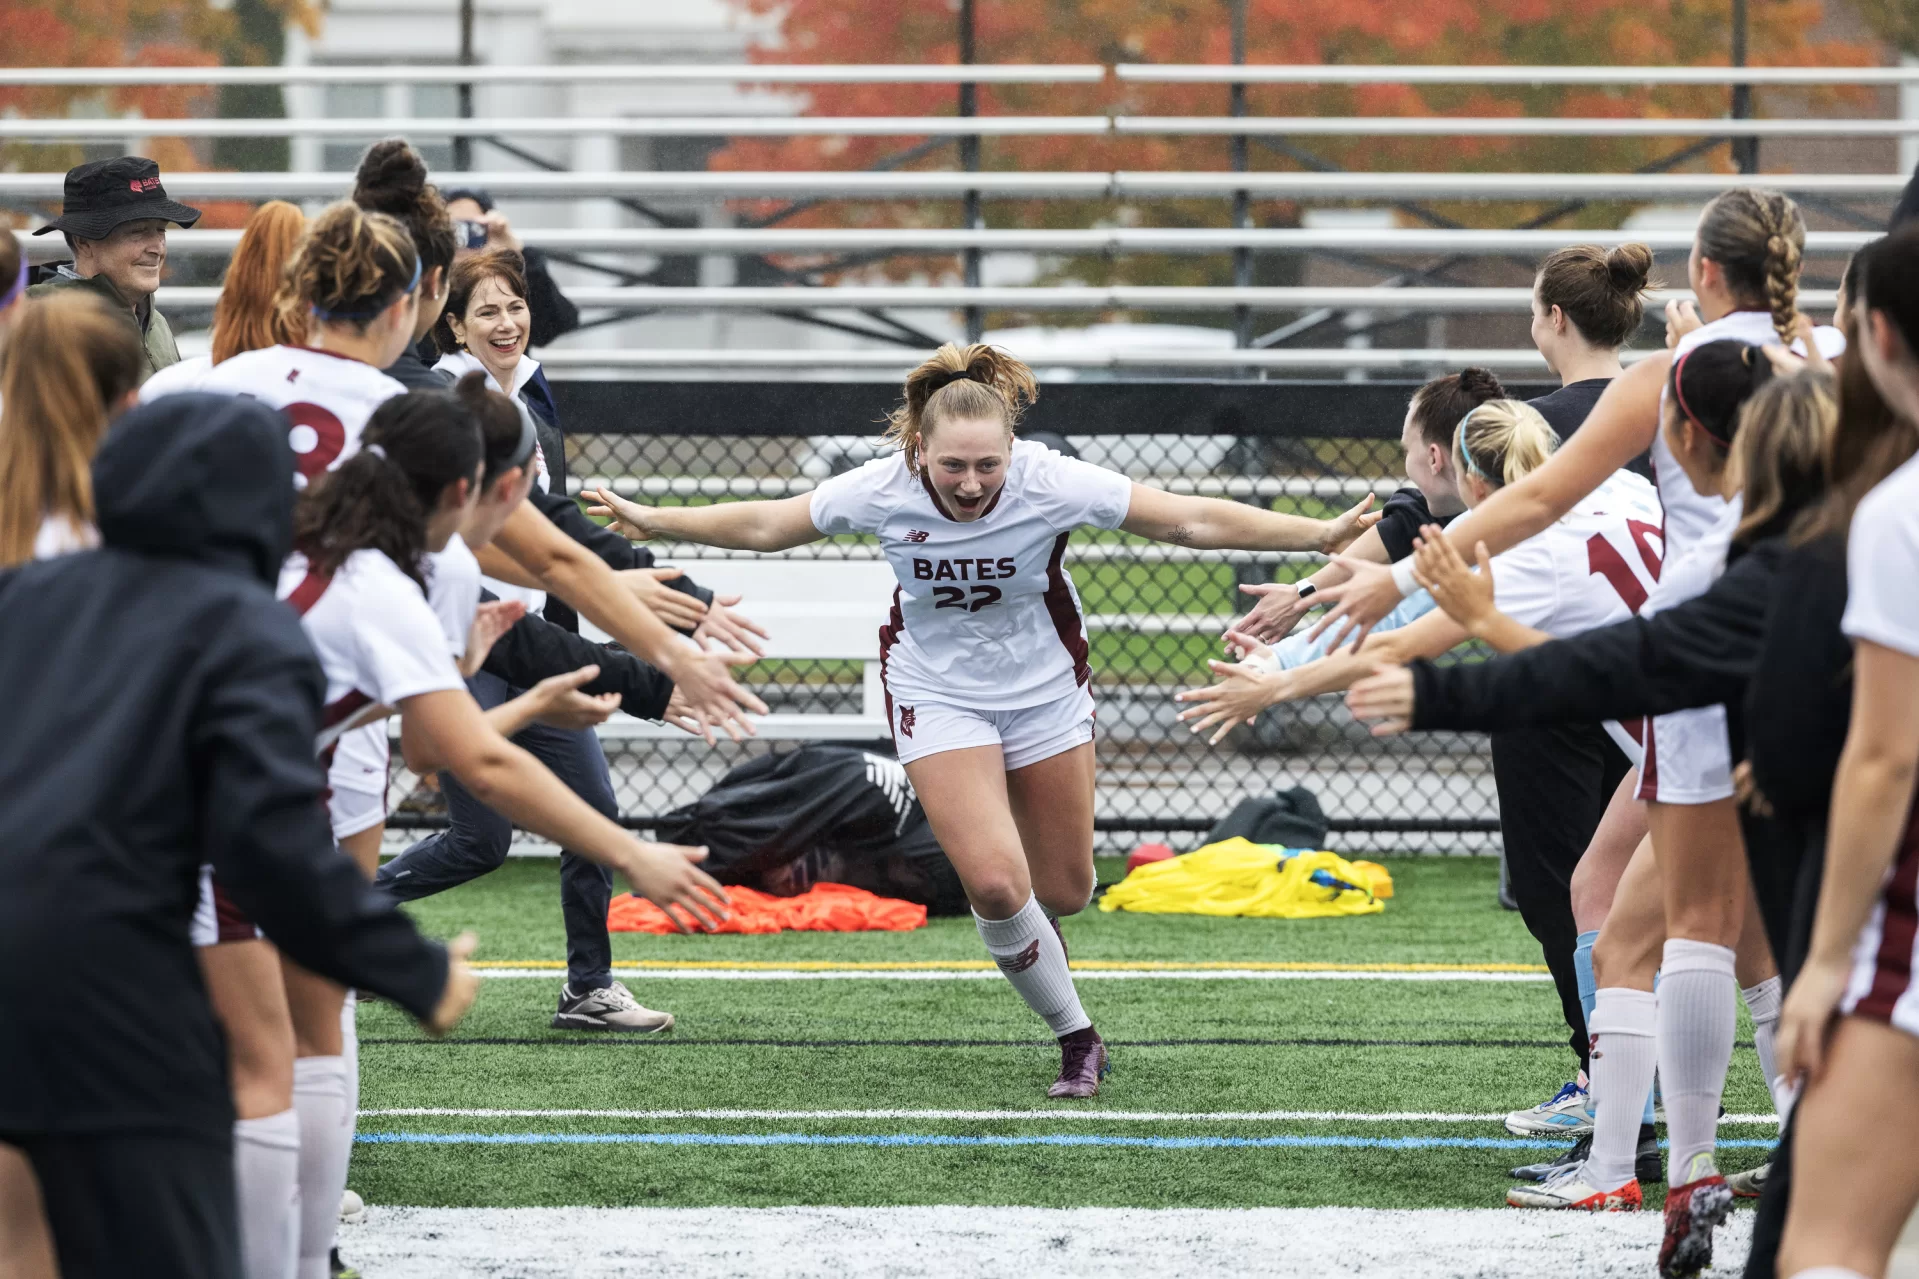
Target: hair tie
(1679, 393)
(377, 451)
(19, 281)
(1459, 443)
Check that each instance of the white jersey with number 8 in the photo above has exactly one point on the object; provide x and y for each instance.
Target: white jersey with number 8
(985, 615)
(327, 399)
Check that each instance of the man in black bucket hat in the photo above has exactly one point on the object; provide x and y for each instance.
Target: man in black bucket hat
(115, 220)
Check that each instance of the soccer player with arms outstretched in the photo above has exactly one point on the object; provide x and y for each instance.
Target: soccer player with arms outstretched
(984, 654)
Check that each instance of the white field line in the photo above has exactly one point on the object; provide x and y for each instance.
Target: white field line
(989, 974)
(1011, 1243)
(1095, 1116)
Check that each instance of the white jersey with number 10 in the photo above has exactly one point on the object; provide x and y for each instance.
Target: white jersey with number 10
(1596, 565)
(985, 616)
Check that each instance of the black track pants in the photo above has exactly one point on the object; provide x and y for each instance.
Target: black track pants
(1554, 784)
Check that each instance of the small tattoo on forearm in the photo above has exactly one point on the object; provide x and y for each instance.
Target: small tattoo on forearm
(1179, 535)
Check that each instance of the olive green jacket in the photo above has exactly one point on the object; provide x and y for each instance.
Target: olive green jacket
(156, 335)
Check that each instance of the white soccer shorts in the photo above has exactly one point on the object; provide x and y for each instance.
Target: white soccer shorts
(1687, 758)
(1025, 736)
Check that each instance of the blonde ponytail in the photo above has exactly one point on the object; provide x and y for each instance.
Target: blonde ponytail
(959, 382)
(1502, 441)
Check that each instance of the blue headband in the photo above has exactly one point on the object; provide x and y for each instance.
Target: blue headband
(1459, 443)
(19, 283)
(412, 284)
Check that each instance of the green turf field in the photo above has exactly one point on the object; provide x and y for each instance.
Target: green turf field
(1365, 1055)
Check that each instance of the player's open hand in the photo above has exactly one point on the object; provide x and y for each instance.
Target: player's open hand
(665, 875)
(1682, 317)
(559, 703)
(1806, 1020)
(491, 620)
(1358, 603)
(462, 986)
(732, 630)
(677, 609)
(1274, 616)
(1384, 698)
(1342, 530)
(630, 520)
(1243, 691)
(1467, 597)
(709, 693)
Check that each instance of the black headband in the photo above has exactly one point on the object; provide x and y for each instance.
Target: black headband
(522, 451)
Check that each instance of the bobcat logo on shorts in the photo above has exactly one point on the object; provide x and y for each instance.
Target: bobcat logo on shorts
(906, 721)
(917, 535)
(1010, 964)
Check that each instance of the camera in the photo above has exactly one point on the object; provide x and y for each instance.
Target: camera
(472, 234)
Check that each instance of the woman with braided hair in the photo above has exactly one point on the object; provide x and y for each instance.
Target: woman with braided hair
(984, 656)
(1744, 270)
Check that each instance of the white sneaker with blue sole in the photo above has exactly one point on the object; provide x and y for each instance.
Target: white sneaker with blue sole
(1568, 1114)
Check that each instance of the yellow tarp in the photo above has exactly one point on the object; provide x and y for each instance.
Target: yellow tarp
(1239, 877)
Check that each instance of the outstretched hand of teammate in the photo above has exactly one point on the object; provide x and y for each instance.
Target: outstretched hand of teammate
(1386, 698)
(1274, 616)
(1243, 691)
(491, 620)
(1806, 1019)
(1467, 597)
(677, 609)
(710, 695)
(558, 702)
(1343, 530)
(1358, 603)
(462, 985)
(665, 875)
(734, 630)
(630, 520)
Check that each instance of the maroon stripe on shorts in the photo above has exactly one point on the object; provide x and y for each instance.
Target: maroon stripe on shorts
(889, 635)
(1649, 763)
(1894, 963)
(231, 923)
(1064, 612)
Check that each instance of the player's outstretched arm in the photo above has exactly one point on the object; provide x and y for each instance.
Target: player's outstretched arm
(775, 525)
(1467, 597)
(1208, 523)
(448, 730)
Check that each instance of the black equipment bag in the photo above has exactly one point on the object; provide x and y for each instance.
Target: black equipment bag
(820, 814)
(1292, 818)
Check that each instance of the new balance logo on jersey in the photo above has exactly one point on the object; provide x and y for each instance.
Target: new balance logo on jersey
(1010, 964)
(917, 535)
(906, 721)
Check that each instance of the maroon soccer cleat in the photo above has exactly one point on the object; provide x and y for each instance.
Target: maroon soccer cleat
(1082, 1064)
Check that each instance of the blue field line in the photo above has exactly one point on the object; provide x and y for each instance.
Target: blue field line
(919, 1139)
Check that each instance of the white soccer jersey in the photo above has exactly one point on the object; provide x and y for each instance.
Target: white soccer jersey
(327, 398)
(1594, 566)
(376, 636)
(1690, 514)
(1882, 564)
(985, 615)
(453, 591)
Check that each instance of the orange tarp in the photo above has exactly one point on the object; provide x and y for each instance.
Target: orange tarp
(824, 908)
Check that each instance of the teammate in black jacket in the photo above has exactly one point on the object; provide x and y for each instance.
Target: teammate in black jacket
(162, 712)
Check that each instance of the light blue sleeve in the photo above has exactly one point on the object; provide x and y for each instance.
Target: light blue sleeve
(1297, 650)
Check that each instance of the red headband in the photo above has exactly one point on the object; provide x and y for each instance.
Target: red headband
(1679, 391)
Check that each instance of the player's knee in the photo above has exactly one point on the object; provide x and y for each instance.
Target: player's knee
(1066, 896)
(997, 896)
(261, 1064)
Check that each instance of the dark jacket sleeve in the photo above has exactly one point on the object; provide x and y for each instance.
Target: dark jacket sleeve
(1699, 653)
(1799, 706)
(265, 821)
(551, 313)
(618, 553)
(536, 649)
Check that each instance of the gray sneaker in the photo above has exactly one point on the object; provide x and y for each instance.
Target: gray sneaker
(609, 1008)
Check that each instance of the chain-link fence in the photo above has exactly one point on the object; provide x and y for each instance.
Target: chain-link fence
(1154, 613)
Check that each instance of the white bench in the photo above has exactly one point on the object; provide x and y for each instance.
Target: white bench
(814, 610)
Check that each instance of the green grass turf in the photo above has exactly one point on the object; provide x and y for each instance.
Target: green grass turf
(1510, 1053)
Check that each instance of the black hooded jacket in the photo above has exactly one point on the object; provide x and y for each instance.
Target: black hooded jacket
(161, 711)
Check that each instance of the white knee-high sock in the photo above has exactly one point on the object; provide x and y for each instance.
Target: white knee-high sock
(350, 1055)
(1625, 1051)
(1697, 1015)
(266, 1177)
(1762, 1001)
(326, 1140)
(1827, 1272)
(1029, 953)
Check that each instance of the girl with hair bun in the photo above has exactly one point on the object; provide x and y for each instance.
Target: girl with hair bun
(1587, 304)
(984, 658)
(392, 179)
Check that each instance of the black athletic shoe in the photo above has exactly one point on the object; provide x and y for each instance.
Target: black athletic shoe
(1647, 1164)
(1575, 1154)
(338, 1269)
